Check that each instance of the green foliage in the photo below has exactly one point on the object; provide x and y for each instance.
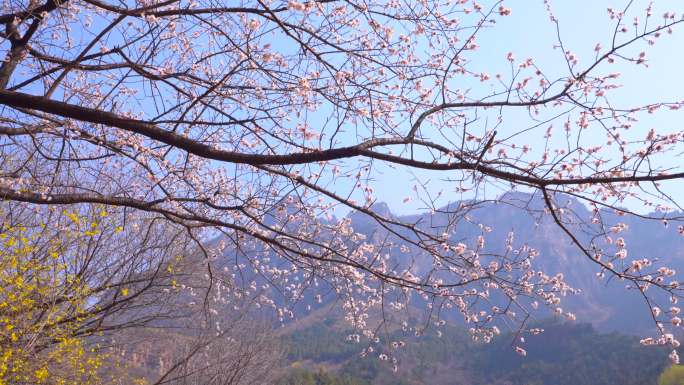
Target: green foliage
(320, 377)
(572, 354)
(320, 343)
(674, 375)
(565, 354)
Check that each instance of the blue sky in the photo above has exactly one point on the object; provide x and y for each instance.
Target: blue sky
(528, 32)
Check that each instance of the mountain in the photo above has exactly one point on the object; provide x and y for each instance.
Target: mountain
(565, 354)
(605, 303)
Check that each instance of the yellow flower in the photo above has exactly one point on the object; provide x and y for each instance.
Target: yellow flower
(41, 374)
(124, 291)
(11, 242)
(73, 217)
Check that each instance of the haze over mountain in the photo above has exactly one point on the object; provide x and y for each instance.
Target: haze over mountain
(319, 352)
(603, 302)
(566, 353)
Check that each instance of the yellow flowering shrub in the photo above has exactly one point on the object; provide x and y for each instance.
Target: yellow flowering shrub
(45, 306)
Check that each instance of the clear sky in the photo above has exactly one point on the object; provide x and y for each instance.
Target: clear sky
(528, 32)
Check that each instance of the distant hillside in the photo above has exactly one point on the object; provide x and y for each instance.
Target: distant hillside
(604, 303)
(566, 354)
